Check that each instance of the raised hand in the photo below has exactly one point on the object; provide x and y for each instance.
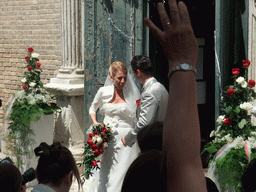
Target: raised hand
(177, 39)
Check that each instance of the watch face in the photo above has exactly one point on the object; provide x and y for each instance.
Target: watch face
(184, 66)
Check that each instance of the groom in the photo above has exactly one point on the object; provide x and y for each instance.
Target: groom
(154, 98)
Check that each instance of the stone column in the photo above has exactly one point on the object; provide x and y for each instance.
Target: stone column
(69, 82)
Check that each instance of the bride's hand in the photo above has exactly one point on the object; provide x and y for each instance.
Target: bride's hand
(96, 123)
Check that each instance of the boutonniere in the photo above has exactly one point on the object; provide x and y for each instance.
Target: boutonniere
(138, 102)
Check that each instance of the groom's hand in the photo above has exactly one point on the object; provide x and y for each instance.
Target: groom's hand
(123, 140)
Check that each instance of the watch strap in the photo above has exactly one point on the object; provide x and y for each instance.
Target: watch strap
(179, 68)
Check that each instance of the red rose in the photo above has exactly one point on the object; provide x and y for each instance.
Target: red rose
(38, 65)
(30, 49)
(94, 163)
(105, 140)
(89, 142)
(235, 71)
(93, 146)
(230, 92)
(228, 121)
(101, 145)
(96, 133)
(246, 63)
(103, 129)
(138, 101)
(96, 152)
(108, 131)
(29, 68)
(90, 135)
(102, 134)
(27, 58)
(25, 87)
(101, 151)
(251, 83)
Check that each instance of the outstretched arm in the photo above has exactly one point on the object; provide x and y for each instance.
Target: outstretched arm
(181, 135)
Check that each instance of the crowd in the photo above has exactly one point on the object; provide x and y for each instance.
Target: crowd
(172, 161)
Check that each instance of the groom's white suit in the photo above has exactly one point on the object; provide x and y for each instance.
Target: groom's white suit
(152, 107)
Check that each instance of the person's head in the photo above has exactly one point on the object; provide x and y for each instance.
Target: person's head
(118, 74)
(151, 137)
(141, 64)
(211, 187)
(56, 166)
(10, 177)
(146, 173)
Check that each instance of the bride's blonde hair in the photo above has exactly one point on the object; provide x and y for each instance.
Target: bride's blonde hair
(116, 67)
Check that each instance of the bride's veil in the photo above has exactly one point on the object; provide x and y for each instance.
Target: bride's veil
(131, 91)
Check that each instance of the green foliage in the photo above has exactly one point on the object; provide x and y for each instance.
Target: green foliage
(29, 105)
(230, 168)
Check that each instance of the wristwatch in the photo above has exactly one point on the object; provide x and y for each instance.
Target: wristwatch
(182, 67)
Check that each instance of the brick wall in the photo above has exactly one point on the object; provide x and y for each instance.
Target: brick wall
(23, 24)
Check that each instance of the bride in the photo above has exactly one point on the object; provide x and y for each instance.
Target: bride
(117, 102)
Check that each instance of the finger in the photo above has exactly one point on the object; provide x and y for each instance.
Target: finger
(184, 15)
(165, 20)
(174, 12)
(152, 27)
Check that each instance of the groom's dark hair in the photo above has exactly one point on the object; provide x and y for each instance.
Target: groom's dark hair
(143, 63)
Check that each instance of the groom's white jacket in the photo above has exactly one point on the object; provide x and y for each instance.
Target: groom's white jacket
(152, 107)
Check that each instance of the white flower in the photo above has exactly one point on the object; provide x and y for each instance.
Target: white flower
(39, 97)
(47, 98)
(32, 84)
(241, 81)
(97, 139)
(35, 55)
(212, 133)
(221, 119)
(244, 85)
(31, 99)
(253, 133)
(252, 141)
(239, 142)
(23, 80)
(218, 129)
(21, 94)
(228, 138)
(246, 106)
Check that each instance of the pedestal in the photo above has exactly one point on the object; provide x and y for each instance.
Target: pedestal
(69, 125)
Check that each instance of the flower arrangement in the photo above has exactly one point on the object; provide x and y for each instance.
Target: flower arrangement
(235, 132)
(99, 138)
(30, 103)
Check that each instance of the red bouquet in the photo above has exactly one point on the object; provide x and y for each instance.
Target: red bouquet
(99, 138)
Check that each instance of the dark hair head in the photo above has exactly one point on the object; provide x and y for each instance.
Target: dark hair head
(147, 173)
(151, 136)
(55, 162)
(211, 187)
(143, 63)
(10, 177)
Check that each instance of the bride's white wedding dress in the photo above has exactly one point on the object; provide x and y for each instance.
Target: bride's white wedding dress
(116, 158)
